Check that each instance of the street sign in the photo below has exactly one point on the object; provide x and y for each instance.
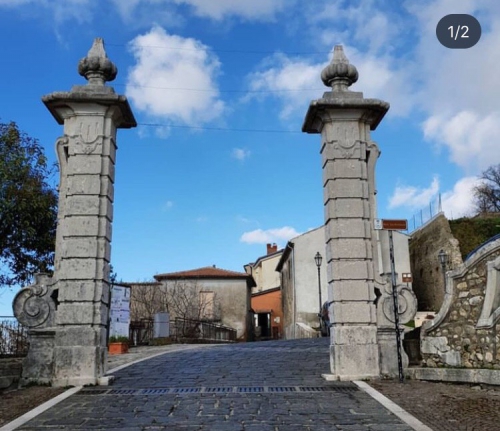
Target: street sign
(407, 277)
(390, 224)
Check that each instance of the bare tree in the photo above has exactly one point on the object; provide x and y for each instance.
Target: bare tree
(181, 298)
(147, 299)
(487, 193)
(188, 300)
(191, 304)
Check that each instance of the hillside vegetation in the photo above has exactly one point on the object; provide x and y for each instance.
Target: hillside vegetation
(472, 232)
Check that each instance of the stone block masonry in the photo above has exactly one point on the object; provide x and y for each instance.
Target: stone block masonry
(344, 119)
(91, 115)
(465, 332)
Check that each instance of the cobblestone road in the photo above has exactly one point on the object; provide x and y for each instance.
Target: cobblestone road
(274, 385)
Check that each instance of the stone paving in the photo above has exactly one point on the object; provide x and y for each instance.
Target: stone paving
(273, 385)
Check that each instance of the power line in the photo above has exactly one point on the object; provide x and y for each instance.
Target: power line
(207, 90)
(219, 129)
(226, 51)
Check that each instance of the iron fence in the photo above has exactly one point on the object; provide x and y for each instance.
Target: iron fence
(199, 331)
(425, 215)
(13, 338)
(141, 332)
(182, 331)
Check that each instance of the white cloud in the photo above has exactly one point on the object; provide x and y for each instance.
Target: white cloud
(250, 10)
(167, 206)
(277, 235)
(127, 8)
(14, 3)
(174, 63)
(366, 23)
(459, 202)
(296, 81)
(247, 220)
(141, 13)
(171, 13)
(240, 154)
(470, 138)
(455, 203)
(459, 89)
(78, 10)
(414, 197)
(288, 78)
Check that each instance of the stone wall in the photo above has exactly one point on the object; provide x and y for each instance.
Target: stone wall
(425, 244)
(466, 331)
(10, 371)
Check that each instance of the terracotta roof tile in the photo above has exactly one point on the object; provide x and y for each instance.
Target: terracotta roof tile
(205, 272)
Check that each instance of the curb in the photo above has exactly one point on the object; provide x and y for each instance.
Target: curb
(21, 420)
(406, 417)
(39, 410)
(187, 347)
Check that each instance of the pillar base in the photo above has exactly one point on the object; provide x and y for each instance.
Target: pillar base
(354, 352)
(38, 365)
(388, 352)
(80, 354)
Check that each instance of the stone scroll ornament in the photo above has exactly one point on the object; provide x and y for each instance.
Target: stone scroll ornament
(33, 305)
(490, 312)
(407, 303)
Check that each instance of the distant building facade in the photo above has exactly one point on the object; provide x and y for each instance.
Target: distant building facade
(209, 294)
(299, 284)
(266, 299)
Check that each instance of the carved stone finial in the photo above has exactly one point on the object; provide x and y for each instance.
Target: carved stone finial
(339, 74)
(97, 68)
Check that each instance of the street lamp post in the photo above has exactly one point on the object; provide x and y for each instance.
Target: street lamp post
(318, 259)
(443, 260)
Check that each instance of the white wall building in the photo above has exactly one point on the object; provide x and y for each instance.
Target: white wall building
(263, 270)
(299, 283)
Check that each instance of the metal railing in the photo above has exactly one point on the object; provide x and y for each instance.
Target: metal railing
(182, 331)
(13, 338)
(426, 214)
(141, 332)
(198, 331)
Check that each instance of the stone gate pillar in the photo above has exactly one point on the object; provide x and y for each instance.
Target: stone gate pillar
(78, 293)
(344, 119)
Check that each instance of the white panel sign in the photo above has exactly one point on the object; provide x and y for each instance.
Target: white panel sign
(119, 311)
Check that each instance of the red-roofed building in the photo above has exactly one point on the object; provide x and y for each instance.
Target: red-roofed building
(209, 293)
(207, 272)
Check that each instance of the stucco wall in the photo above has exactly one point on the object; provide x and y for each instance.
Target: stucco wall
(265, 274)
(287, 298)
(306, 275)
(425, 245)
(233, 299)
(401, 254)
(454, 338)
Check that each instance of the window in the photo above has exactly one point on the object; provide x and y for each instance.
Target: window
(207, 305)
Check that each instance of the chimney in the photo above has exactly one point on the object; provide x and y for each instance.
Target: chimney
(272, 248)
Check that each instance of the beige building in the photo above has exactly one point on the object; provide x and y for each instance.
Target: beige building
(263, 270)
(209, 294)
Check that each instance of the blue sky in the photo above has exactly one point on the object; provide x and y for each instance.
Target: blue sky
(218, 166)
